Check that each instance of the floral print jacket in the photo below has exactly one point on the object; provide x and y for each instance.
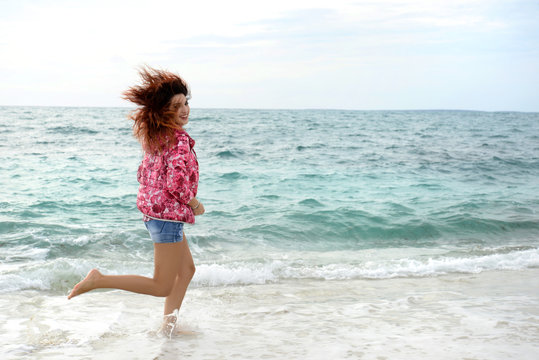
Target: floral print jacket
(168, 181)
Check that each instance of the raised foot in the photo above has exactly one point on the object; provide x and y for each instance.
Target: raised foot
(87, 284)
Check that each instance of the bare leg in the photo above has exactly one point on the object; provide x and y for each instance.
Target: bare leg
(167, 259)
(174, 300)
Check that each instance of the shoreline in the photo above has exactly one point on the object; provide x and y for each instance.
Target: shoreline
(492, 315)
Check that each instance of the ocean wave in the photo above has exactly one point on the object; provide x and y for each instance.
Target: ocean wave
(393, 223)
(244, 273)
(72, 130)
(433, 266)
(228, 154)
(232, 176)
(310, 203)
(61, 274)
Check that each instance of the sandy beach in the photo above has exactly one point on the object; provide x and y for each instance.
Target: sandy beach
(491, 315)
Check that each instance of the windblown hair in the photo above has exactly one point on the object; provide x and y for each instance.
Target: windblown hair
(154, 122)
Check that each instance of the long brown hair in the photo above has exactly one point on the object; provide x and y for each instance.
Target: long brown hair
(154, 123)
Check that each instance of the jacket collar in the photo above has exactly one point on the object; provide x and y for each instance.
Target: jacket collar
(183, 133)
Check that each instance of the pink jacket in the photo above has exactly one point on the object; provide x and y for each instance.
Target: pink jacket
(168, 181)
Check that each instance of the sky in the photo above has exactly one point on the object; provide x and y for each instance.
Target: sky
(293, 54)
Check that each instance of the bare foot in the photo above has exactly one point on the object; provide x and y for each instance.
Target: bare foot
(178, 331)
(169, 323)
(87, 284)
(170, 329)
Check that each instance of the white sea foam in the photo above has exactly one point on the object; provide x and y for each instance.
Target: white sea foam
(257, 273)
(61, 274)
(23, 253)
(238, 273)
(433, 266)
(489, 315)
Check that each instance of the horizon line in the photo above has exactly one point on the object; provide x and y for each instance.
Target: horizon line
(276, 109)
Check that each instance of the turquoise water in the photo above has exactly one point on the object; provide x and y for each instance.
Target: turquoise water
(289, 194)
(327, 234)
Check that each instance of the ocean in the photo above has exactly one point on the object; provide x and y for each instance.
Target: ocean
(328, 234)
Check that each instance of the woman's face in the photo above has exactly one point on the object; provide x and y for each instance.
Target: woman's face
(180, 106)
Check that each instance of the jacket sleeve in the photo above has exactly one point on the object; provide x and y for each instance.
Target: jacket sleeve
(178, 181)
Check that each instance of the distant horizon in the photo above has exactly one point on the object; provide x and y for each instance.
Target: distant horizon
(274, 109)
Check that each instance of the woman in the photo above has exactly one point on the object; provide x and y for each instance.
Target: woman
(168, 178)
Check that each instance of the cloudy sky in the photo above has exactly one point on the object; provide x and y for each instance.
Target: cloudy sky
(378, 54)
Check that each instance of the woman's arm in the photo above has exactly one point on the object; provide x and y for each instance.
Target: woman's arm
(181, 177)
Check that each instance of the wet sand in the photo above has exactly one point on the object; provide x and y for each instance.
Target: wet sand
(491, 315)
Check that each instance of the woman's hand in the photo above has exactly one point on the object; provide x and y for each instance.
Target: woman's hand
(198, 208)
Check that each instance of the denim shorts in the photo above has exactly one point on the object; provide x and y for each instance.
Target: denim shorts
(164, 231)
